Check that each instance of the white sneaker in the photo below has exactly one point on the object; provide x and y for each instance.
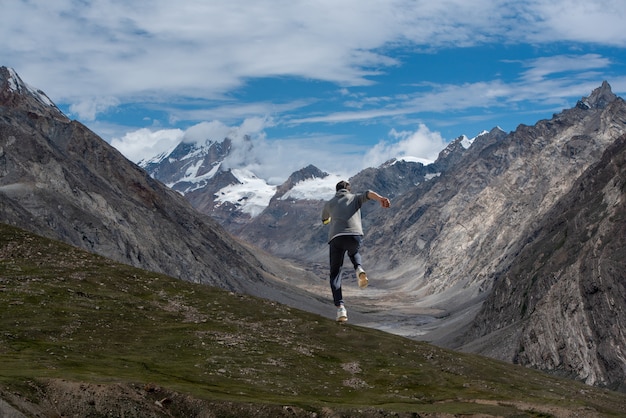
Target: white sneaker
(342, 314)
(360, 274)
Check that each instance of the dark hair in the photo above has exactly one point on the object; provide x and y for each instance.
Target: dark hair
(342, 185)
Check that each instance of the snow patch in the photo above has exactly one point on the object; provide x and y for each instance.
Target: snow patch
(17, 85)
(466, 142)
(251, 196)
(410, 159)
(313, 189)
(196, 181)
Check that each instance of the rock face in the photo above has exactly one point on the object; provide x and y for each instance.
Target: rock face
(464, 229)
(469, 231)
(59, 179)
(562, 304)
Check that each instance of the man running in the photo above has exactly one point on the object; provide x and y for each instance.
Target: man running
(343, 212)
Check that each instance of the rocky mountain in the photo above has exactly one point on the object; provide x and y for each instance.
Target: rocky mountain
(283, 219)
(501, 186)
(201, 171)
(59, 179)
(561, 305)
(453, 242)
(188, 166)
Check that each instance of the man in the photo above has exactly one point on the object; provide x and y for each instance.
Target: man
(343, 212)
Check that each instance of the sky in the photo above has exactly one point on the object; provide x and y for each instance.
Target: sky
(341, 84)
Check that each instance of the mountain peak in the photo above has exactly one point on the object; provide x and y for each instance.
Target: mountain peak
(16, 93)
(307, 173)
(599, 98)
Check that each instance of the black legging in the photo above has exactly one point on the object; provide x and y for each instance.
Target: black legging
(338, 247)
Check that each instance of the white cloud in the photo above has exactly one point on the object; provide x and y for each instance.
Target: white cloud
(539, 69)
(89, 108)
(78, 50)
(214, 131)
(422, 144)
(144, 143)
(599, 21)
(93, 56)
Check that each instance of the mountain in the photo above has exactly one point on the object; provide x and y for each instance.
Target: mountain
(451, 247)
(273, 217)
(203, 173)
(561, 304)
(457, 228)
(195, 163)
(59, 179)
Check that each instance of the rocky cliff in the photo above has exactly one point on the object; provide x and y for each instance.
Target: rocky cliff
(465, 228)
(562, 305)
(464, 235)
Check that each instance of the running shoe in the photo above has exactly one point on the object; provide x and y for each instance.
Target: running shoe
(342, 314)
(360, 274)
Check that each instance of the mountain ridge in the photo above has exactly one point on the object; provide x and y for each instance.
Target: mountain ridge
(590, 277)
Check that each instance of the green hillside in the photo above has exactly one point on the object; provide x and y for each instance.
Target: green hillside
(81, 335)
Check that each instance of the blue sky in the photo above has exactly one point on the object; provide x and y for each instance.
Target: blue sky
(340, 84)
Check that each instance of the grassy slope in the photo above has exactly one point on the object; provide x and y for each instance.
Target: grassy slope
(67, 314)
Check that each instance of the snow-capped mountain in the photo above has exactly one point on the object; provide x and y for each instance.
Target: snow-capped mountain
(223, 187)
(269, 216)
(188, 166)
(191, 167)
(29, 97)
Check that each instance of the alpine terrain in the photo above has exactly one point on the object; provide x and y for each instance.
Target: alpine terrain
(59, 179)
(458, 238)
(508, 245)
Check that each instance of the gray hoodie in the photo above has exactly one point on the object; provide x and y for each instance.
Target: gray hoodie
(344, 212)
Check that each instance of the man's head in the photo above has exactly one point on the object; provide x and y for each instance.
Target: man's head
(342, 185)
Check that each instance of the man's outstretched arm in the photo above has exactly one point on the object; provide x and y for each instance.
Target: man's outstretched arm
(384, 202)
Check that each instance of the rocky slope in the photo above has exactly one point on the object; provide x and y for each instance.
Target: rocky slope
(562, 304)
(452, 242)
(465, 227)
(59, 179)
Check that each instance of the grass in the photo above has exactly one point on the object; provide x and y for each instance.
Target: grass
(68, 314)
